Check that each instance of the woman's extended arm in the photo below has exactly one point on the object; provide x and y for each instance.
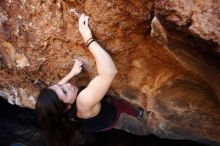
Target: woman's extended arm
(77, 67)
(88, 100)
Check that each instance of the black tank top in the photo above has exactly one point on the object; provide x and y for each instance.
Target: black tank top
(105, 118)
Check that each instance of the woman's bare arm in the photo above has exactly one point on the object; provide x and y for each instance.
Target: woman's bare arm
(88, 100)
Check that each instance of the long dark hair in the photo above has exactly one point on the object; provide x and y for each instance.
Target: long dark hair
(58, 128)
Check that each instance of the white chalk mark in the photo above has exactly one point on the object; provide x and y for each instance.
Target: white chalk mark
(3, 18)
(75, 12)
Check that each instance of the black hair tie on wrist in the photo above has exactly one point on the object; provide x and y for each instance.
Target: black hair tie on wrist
(90, 42)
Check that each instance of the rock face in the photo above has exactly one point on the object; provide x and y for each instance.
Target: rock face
(166, 52)
(200, 17)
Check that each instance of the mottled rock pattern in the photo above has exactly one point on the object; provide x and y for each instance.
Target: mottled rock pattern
(166, 53)
(201, 17)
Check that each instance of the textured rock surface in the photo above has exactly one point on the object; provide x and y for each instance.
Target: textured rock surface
(201, 17)
(166, 52)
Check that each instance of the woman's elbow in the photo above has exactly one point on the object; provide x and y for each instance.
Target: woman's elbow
(113, 72)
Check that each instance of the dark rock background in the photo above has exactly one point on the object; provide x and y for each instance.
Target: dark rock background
(166, 52)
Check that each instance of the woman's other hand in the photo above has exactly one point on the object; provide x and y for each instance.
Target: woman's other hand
(84, 27)
(77, 67)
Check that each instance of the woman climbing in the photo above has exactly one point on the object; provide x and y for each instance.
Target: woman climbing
(67, 114)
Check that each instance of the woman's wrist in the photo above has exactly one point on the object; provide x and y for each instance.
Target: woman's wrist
(88, 40)
(72, 74)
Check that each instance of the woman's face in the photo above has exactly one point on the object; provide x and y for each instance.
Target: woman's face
(66, 93)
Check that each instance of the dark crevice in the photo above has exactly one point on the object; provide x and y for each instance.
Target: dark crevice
(180, 37)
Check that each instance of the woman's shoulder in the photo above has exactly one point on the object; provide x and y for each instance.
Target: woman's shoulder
(87, 112)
